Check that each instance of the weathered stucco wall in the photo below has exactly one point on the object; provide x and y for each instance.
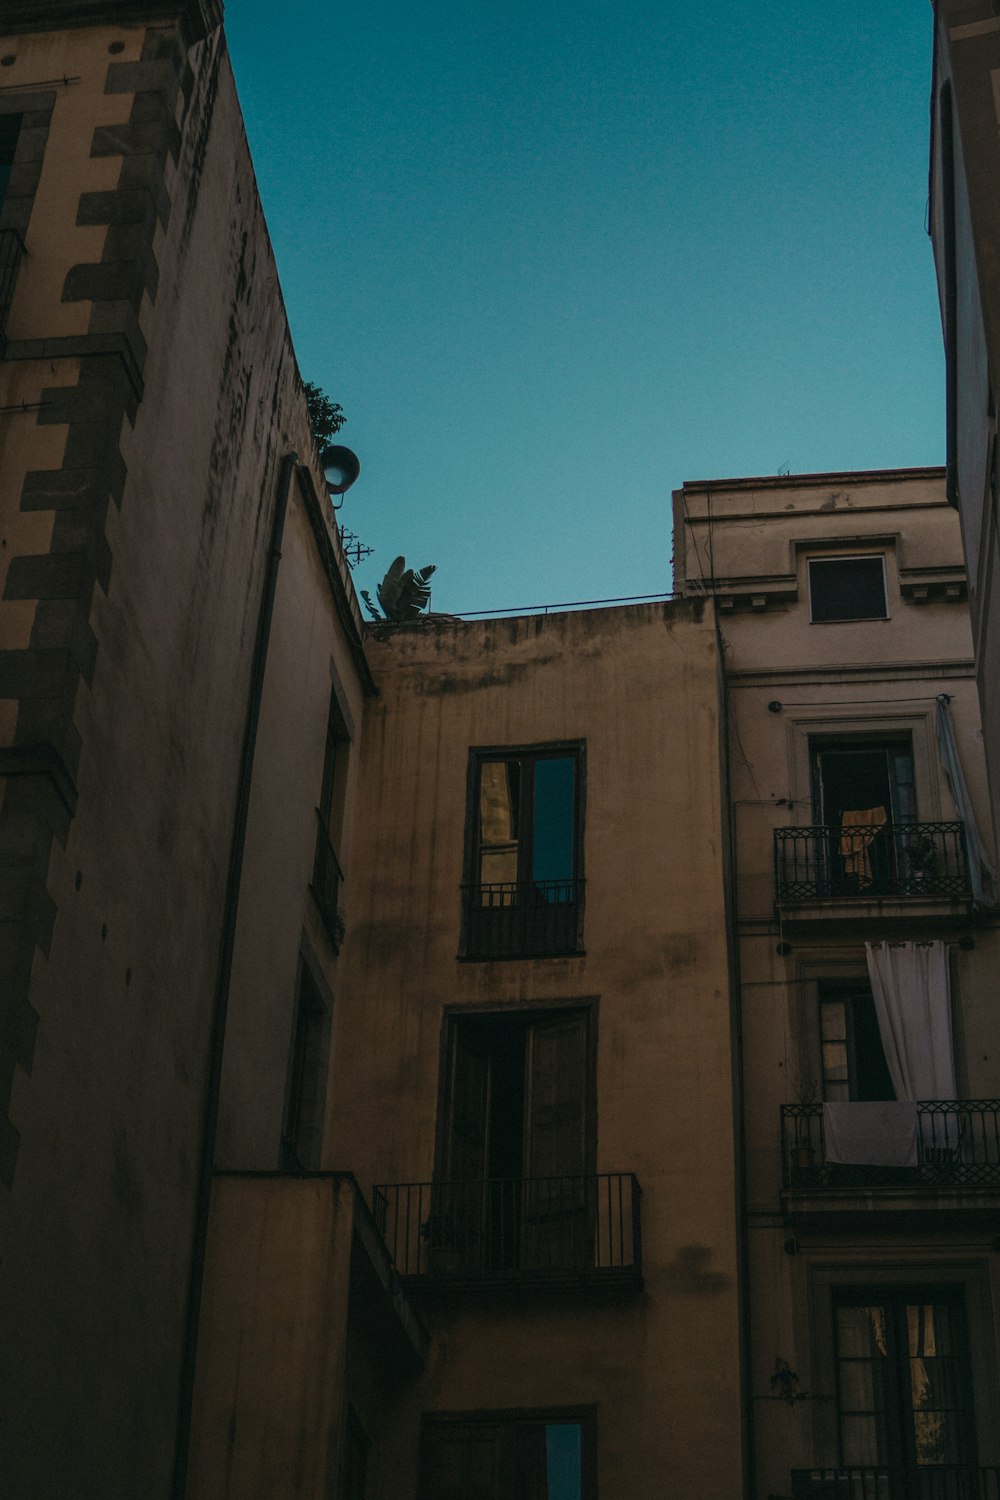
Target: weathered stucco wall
(137, 507)
(274, 1339)
(639, 687)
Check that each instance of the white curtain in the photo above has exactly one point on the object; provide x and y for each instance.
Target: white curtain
(912, 992)
(983, 880)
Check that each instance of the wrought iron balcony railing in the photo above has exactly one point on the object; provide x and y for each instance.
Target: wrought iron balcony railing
(573, 1229)
(957, 1146)
(326, 882)
(923, 1482)
(12, 252)
(522, 918)
(889, 861)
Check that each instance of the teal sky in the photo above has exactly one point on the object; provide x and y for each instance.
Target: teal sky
(555, 259)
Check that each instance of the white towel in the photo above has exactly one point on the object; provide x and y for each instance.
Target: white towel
(881, 1134)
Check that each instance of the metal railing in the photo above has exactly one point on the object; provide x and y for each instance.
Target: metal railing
(326, 881)
(12, 252)
(923, 1482)
(896, 861)
(957, 1145)
(522, 918)
(517, 1229)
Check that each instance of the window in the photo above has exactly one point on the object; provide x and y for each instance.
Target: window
(523, 892)
(904, 1397)
(854, 1065)
(847, 588)
(327, 873)
(864, 793)
(10, 129)
(302, 1131)
(508, 1456)
(515, 1147)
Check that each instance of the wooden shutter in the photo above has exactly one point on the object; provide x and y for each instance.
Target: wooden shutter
(459, 1199)
(556, 1232)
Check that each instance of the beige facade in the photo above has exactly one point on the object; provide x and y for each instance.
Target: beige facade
(840, 600)
(525, 1026)
(965, 162)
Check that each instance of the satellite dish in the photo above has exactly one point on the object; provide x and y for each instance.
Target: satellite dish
(341, 468)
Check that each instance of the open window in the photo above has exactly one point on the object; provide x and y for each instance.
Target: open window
(508, 1456)
(523, 892)
(854, 1065)
(847, 588)
(864, 794)
(514, 1189)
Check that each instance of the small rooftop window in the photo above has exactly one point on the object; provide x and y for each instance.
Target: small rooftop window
(847, 588)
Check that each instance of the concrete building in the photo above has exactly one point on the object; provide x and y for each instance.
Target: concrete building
(532, 1072)
(867, 951)
(178, 715)
(965, 229)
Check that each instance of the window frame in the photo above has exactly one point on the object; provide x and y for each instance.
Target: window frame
(848, 557)
(584, 1416)
(889, 1270)
(480, 755)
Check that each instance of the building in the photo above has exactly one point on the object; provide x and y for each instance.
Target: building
(177, 712)
(531, 1079)
(867, 950)
(965, 230)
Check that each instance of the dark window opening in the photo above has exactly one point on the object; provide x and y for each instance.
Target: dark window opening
(327, 873)
(516, 1142)
(904, 1392)
(524, 1457)
(524, 893)
(864, 795)
(854, 1065)
(302, 1132)
(10, 129)
(847, 588)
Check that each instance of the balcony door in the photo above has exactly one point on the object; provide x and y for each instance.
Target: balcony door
(904, 1391)
(862, 790)
(515, 1149)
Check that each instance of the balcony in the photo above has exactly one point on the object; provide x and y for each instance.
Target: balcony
(519, 1232)
(12, 252)
(957, 1163)
(908, 866)
(326, 882)
(522, 919)
(928, 1482)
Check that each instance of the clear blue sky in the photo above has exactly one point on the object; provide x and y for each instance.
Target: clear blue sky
(554, 259)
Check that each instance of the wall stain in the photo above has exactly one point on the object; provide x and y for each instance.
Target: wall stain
(689, 1272)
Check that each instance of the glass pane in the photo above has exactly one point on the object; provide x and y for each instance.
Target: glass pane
(499, 819)
(554, 831)
(860, 1440)
(861, 1331)
(833, 1020)
(563, 1460)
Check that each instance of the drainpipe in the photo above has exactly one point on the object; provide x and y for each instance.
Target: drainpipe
(217, 1038)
